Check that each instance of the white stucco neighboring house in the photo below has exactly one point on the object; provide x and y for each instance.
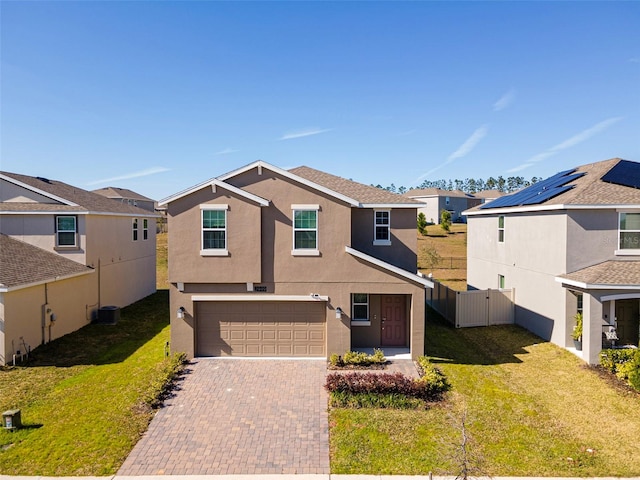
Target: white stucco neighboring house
(435, 200)
(568, 244)
(65, 253)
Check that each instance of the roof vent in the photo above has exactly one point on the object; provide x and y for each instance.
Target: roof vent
(45, 180)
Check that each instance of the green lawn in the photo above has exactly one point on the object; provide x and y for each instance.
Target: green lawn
(85, 398)
(530, 408)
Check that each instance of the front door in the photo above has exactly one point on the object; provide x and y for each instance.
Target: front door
(394, 321)
(627, 321)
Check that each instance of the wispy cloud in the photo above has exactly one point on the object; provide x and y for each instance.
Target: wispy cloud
(226, 151)
(568, 143)
(304, 133)
(505, 100)
(469, 144)
(408, 132)
(127, 176)
(463, 150)
(634, 60)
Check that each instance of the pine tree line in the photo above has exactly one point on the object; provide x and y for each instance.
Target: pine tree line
(471, 185)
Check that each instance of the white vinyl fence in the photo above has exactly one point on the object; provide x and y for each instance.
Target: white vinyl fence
(475, 308)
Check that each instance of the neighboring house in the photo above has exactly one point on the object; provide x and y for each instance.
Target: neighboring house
(568, 244)
(488, 195)
(271, 262)
(129, 197)
(66, 252)
(436, 200)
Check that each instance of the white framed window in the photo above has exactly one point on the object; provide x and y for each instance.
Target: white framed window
(305, 230)
(66, 231)
(501, 281)
(628, 233)
(213, 224)
(447, 200)
(382, 227)
(501, 229)
(360, 309)
(145, 229)
(134, 229)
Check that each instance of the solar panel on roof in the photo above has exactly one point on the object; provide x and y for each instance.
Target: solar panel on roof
(538, 192)
(624, 173)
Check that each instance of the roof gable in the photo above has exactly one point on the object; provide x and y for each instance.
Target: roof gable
(70, 198)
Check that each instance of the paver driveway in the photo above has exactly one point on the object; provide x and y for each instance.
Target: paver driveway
(239, 417)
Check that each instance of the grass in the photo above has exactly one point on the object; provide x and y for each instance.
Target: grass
(452, 249)
(162, 273)
(87, 398)
(530, 409)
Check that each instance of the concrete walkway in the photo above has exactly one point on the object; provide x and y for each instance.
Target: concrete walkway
(231, 417)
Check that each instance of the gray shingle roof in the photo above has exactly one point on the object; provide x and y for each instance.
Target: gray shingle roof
(432, 192)
(86, 201)
(24, 264)
(365, 194)
(613, 272)
(117, 192)
(589, 189)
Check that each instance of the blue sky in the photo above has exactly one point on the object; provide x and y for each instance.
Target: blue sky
(159, 96)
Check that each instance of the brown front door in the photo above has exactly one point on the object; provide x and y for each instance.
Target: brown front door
(394, 321)
(627, 319)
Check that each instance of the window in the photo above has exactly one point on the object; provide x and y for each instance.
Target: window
(500, 281)
(214, 230)
(629, 231)
(305, 230)
(579, 300)
(501, 229)
(447, 200)
(382, 227)
(145, 229)
(135, 229)
(360, 306)
(66, 229)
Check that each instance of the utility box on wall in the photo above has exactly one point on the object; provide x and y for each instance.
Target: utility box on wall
(11, 419)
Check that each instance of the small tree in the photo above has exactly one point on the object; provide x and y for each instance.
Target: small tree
(422, 224)
(445, 220)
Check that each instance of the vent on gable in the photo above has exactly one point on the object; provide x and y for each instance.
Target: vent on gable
(260, 288)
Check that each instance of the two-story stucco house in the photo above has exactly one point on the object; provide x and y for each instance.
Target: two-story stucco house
(568, 244)
(435, 200)
(66, 252)
(271, 262)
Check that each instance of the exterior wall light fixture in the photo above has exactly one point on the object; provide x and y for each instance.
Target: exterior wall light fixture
(181, 312)
(338, 312)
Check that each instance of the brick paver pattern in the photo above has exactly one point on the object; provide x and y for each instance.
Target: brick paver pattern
(239, 417)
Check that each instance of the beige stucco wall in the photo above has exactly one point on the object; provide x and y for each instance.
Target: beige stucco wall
(243, 240)
(126, 268)
(21, 315)
(40, 230)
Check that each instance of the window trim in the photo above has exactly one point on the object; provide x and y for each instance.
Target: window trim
(500, 228)
(74, 231)
(214, 252)
(134, 229)
(360, 322)
(380, 242)
(626, 251)
(501, 282)
(304, 252)
(145, 229)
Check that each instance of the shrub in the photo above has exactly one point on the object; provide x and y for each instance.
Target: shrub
(373, 400)
(335, 360)
(355, 358)
(435, 382)
(577, 330)
(358, 358)
(624, 363)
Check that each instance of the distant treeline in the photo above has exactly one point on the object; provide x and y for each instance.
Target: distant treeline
(471, 185)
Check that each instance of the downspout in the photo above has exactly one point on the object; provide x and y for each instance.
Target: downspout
(44, 312)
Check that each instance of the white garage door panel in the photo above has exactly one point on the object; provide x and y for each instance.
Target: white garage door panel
(255, 329)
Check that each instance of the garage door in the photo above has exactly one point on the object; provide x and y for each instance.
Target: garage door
(261, 329)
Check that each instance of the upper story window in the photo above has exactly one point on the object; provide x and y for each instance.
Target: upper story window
(501, 228)
(447, 200)
(305, 230)
(500, 281)
(66, 231)
(629, 233)
(145, 229)
(135, 229)
(214, 230)
(382, 227)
